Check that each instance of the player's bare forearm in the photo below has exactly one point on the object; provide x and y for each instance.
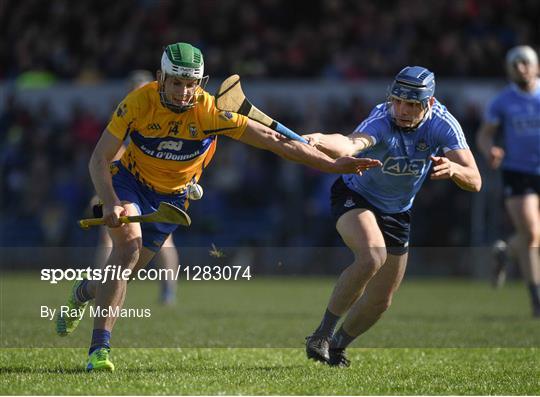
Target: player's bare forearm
(101, 178)
(484, 140)
(333, 145)
(467, 178)
(99, 167)
(264, 138)
(458, 165)
(337, 145)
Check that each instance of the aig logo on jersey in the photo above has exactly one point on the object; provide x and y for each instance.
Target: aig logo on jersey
(170, 145)
(401, 166)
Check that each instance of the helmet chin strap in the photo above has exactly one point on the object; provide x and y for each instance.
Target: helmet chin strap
(172, 107)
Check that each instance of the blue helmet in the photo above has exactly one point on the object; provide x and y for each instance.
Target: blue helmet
(413, 83)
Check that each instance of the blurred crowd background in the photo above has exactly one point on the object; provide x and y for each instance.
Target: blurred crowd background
(251, 197)
(344, 39)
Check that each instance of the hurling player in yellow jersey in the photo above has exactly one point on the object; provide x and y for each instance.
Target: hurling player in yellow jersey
(167, 257)
(173, 126)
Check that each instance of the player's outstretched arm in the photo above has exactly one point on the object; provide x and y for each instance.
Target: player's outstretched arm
(484, 140)
(263, 137)
(337, 145)
(99, 166)
(458, 165)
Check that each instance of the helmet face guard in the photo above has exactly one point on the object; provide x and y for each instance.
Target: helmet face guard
(182, 61)
(412, 84)
(190, 103)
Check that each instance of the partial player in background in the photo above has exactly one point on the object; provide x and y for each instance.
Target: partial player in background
(167, 257)
(515, 113)
(373, 211)
(173, 126)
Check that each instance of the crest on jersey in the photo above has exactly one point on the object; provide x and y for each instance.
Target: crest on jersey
(192, 130)
(422, 146)
(226, 115)
(349, 203)
(121, 110)
(174, 126)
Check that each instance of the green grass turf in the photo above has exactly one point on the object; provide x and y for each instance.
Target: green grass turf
(439, 337)
(274, 371)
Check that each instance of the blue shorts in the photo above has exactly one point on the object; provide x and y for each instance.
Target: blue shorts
(518, 183)
(395, 228)
(128, 188)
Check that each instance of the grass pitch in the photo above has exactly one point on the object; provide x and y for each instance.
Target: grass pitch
(273, 371)
(439, 337)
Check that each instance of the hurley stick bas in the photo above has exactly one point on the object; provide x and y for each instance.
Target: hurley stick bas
(166, 213)
(230, 97)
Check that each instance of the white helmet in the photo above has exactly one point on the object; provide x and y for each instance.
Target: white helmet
(522, 53)
(182, 60)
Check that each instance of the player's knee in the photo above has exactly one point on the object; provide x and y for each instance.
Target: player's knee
(381, 305)
(128, 252)
(535, 239)
(531, 237)
(368, 264)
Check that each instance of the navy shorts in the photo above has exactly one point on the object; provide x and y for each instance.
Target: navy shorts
(520, 183)
(395, 228)
(128, 188)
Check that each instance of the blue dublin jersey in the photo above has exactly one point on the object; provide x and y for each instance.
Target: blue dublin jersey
(404, 155)
(518, 115)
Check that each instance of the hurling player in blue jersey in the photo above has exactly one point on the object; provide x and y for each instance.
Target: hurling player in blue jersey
(515, 112)
(372, 211)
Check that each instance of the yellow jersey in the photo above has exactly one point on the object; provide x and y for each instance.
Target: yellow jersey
(168, 150)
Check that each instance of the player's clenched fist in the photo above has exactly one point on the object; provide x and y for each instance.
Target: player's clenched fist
(442, 168)
(112, 214)
(496, 156)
